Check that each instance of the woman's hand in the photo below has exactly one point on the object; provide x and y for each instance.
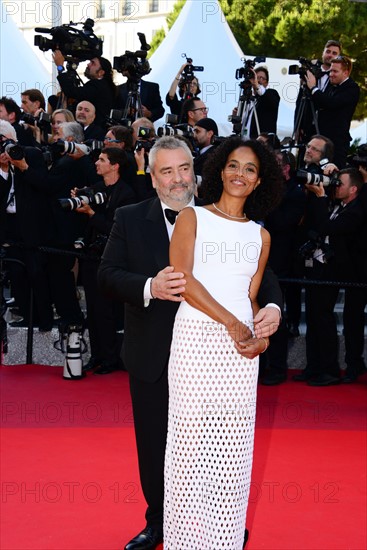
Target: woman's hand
(238, 331)
(253, 347)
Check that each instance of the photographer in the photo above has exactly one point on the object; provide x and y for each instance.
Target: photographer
(69, 170)
(188, 87)
(104, 316)
(266, 102)
(193, 110)
(25, 224)
(100, 90)
(10, 111)
(150, 97)
(336, 105)
(205, 130)
(307, 126)
(328, 258)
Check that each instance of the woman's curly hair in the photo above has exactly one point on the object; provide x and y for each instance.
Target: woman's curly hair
(265, 197)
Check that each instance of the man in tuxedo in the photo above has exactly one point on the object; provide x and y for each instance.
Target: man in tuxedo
(335, 105)
(135, 270)
(306, 124)
(150, 97)
(25, 219)
(329, 260)
(266, 104)
(204, 132)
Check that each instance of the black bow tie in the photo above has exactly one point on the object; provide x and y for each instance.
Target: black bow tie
(171, 215)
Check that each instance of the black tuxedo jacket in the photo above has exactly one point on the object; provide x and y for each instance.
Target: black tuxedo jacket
(267, 106)
(138, 247)
(200, 160)
(32, 204)
(149, 95)
(335, 107)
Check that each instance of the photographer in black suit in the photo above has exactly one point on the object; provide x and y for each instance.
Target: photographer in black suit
(99, 90)
(25, 221)
(336, 105)
(150, 97)
(135, 270)
(104, 316)
(329, 259)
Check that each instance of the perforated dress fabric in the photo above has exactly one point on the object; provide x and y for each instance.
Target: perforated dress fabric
(212, 398)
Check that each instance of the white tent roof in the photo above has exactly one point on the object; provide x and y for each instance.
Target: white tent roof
(202, 32)
(20, 69)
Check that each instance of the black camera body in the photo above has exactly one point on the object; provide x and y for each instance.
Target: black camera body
(14, 150)
(86, 195)
(43, 121)
(135, 63)
(75, 44)
(188, 72)
(312, 65)
(315, 242)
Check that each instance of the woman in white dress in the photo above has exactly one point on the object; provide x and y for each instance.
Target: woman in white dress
(213, 366)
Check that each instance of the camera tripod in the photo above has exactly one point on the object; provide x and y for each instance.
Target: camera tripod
(305, 103)
(246, 106)
(133, 107)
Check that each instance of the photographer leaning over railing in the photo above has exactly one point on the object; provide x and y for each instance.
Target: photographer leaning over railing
(104, 317)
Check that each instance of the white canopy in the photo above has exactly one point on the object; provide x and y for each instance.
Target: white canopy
(20, 68)
(202, 32)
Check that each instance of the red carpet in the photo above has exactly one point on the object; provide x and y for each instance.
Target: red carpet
(69, 472)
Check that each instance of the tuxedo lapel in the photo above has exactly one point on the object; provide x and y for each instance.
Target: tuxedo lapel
(156, 234)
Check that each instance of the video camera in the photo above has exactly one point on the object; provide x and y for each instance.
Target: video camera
(135, 63)
(312, 65)
(14, 150)
(86, 195)
(247, 71)
(188, 73)
(75, 44)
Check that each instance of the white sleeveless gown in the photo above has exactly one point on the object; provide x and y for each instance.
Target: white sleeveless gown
(212, 397)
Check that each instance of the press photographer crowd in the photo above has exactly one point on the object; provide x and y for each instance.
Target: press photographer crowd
(69, 161)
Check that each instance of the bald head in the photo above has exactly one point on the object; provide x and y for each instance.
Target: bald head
(85, 113)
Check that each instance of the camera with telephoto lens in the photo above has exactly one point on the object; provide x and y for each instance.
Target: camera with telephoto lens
(69, 147)
(43, 121)
(14, 150)
(309, 178)
(312, 65)
(184, 130)
(86, 195)
(75, 44)
(135, 63)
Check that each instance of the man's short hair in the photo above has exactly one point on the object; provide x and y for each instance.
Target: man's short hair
(355, 177)
(328, 150)
(333, 43)
(35, 95)
(167, 143)
(344, 61)
(11, 107)
(116, 156)
(6, 129)
(264, 70)
(74, 130)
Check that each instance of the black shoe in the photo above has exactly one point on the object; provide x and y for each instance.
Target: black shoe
(273, 379)
(148, 539)
(107, 369)
(246, 537)
(349, 379)
(303, 376)
(324, 380)
(92, 364)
